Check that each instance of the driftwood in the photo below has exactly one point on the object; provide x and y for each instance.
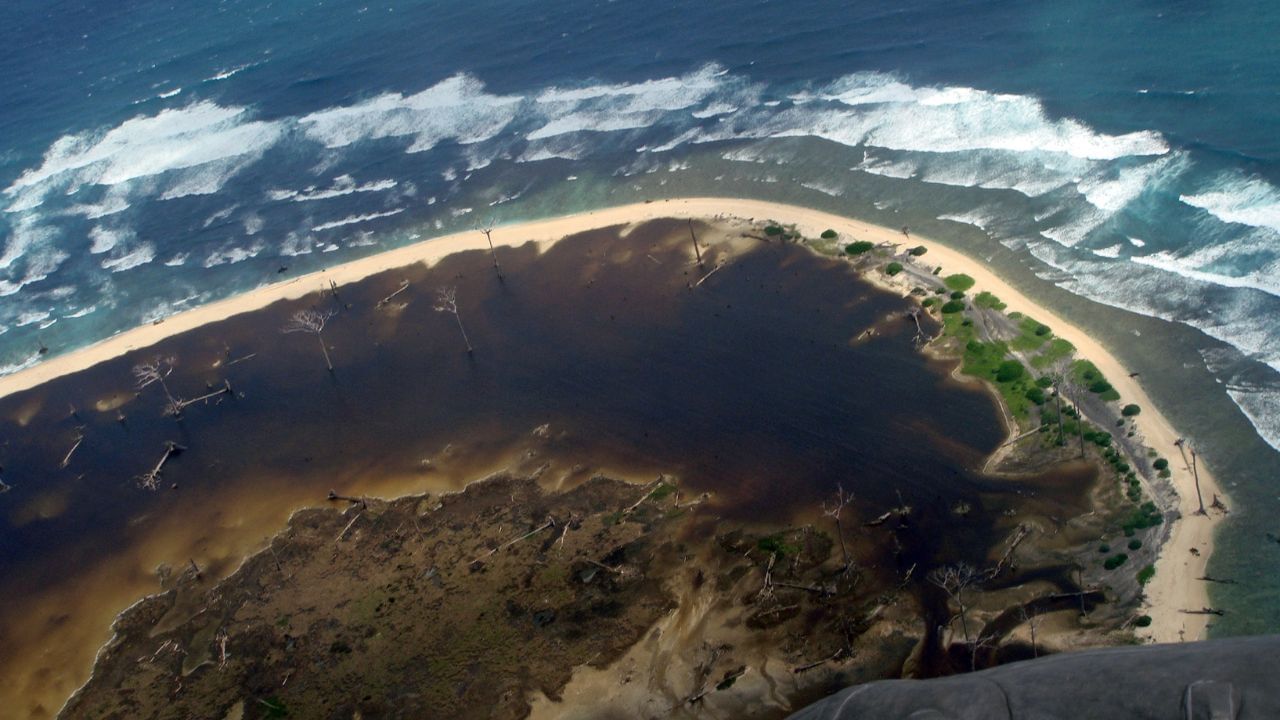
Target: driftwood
(348, 527)
(79, 439)
(654, 488)
(1023, 531)
(404, 285)
(178, 406)
(1219, 505)
(333, 495)
(241, 359)
(807, 588)
(550, 523)
(1224, 581)
(809, 666)
(880, 520)
(714, 270)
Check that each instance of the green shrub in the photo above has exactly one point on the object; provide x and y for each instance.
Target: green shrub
(959, 282)
(829, 234)
(859, 247)
(1100, 387)
(953, 306)
(1135, 544)
(775, 545)
(1009, 371)
(1144, 577)
(957, 295)
(1115, 561)
(1144, 620)
(1043, 330)
(1036, 395)
(1130, 410)
(1044, 381)
(919, 250)
(1142, 517)
(1104, 548)
(937, 270)
(1160, 464)
(772, 230)
(929, 302)
(987, 300)
(893, 268)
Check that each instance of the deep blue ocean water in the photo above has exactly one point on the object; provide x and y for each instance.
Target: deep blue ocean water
(1107, 156)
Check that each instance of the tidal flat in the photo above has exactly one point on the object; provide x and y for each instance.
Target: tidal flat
(759, 393)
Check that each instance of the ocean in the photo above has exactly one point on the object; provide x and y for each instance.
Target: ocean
(1117, 162)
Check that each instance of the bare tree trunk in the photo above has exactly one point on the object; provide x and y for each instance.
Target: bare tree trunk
(463, 330)
(327, 362)
(488, 236)
(697, 252)
(964, 620)
(1057, 396)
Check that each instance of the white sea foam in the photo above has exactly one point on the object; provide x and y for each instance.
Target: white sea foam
(29, 361)
(230, 254)
(351, 220)
(81, 312)
(31, 317)
(824, 188)
(177, 260)
(297, 244)
(1236, 198)
(342, 185)
(103, 239)
(457, 109)
(132, 258)
(253, 223)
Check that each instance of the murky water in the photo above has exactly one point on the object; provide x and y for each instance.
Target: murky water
(757, 386)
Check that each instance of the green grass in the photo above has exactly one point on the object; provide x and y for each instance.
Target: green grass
(958, 281)
(1057, 349)
(1031, 335)
(1145, 574)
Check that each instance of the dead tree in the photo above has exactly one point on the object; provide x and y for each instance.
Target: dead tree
(834, 512)
(487, 229)
(447, 302)
(954, 580)
(155, 371)
(312, 321)
(151, 479)
(178, 406)
(1067, 383)
(696, 251)
(404, 285)
(79, 439)
(1030, 619)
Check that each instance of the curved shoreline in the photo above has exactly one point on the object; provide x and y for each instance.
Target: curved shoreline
(1175, 586)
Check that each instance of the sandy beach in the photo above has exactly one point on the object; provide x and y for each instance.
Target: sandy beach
(1175, 586)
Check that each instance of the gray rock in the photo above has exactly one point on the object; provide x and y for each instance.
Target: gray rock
(1232, 679)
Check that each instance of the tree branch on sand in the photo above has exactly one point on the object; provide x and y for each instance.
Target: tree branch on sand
(954, 580)
(312, 321)
(447, 302)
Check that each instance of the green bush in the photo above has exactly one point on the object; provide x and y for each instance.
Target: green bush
(929, 302)
(957, 295)
(1160, 464)
(937, 270)
(859, 247)
(959, 282)
(1142, 517)
(1009, 371)
(1144, 577)
(1043, 330)
(829, 234)
(1100, 387)
(1036, 395)
(1130, 410)
(893, 268)
(987, 300)
(919, 250)
(953, 306)
(1044, 381)
(1104, 548)
(1135, 544)
(1144, 620)
(772, 230)
(1115, 561)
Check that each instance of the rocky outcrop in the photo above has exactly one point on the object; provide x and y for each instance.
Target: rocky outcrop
(1231, 679)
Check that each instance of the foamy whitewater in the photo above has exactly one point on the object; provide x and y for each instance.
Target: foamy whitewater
(256, 154)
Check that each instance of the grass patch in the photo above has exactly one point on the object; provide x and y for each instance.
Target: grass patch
(1031, 335)
(959, 281)
(1057, 349)
(1088, 375)
(775, 545)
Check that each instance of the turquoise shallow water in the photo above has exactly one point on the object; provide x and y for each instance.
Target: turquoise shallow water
(1119, 162)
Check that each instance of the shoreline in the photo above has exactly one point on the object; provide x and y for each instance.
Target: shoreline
(1175, 586)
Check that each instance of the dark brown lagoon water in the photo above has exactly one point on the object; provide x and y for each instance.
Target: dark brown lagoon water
(756, 386)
